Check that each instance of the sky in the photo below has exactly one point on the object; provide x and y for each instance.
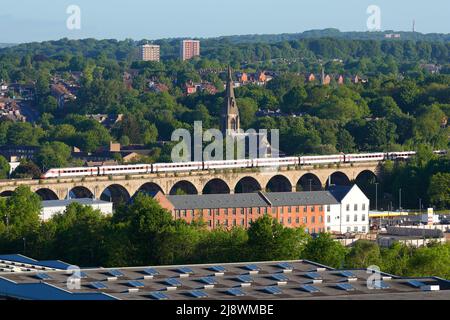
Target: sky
(39, 20)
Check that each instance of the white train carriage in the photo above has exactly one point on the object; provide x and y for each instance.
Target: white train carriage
(125, 169)
(70, 172)
(227, 164)
(322, 159)
(365, 157)
(401, 155)
(440, 152)
(177, 167)
(275, 162)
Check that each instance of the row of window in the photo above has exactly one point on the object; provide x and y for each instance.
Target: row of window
(355, 207)
(241, 222)
(262, 210)
(355, 218)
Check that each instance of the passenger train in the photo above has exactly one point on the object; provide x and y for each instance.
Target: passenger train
(226, 164)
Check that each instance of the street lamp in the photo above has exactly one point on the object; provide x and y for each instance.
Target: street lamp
(24, 244)
(376, 196)
(310, 185)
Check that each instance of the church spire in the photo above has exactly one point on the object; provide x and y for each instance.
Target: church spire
(230, 112)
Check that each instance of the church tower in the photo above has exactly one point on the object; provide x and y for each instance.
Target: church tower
(230, 112)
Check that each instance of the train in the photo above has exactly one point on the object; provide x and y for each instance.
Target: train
(227, 164)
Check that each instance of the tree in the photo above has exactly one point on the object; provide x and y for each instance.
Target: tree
(363, 254)
(439, 190)
(269, 240)
(53, 155)
(433, 260)
(384, 107)
(4, 168)
(247, 111)
(27, 170)
(293, 100)
(323, 249)
(23, 212)
(79, 235)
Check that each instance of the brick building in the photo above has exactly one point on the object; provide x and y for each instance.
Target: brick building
(316, 211)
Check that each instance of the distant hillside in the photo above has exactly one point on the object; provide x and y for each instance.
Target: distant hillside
(6, 45)
(334, 33)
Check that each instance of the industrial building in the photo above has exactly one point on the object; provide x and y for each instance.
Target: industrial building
(52, 207)
(342, 209)
(286, 280)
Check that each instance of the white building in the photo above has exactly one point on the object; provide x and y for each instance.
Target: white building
(352, 213)
(53, 207)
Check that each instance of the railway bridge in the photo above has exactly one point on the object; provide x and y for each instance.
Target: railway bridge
(120, 188)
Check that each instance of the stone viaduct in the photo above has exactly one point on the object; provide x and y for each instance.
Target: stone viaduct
(122, 188)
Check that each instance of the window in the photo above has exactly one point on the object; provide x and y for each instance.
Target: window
(217, 212)
(356, 229)
(305, 220)
(328, 219)
(234, 222)
(234, 211)
(313, 230)
(328, 208)
(258, 210)
(364, 207)
(242, 222)
(349, 229)
(347, 218)
(355, 218)
(321, 208)
(289, 209)
(209, 212)
(313, 209)
(348, 207)
(355, 208)
(313, 219)
(320, 219)
(210, 223)
(328, 229)
(363, 229)
(263, 210)
(289, 221)
(282, 210)
(363, 217)
(297, 209)
(297, 220)
(305, 209)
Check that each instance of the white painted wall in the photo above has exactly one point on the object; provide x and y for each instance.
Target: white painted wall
(48, 212)
(355, 212)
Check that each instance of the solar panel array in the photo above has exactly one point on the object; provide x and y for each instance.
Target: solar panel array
(345, 286)
(211, 281)
(43, 276)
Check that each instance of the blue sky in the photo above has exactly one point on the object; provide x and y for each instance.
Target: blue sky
(37, 20)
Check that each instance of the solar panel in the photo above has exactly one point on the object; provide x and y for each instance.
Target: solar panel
(309, 288)
(151, 272)
(218, 269)
(185, 270)
(252, 267)
(313, 275)
(136, 284)
(173, 282)
(345, 287)
(416, 284)
(115, 273)
(98, 285)
(273, 290)
(209, 280)
(198, 294)
(280, 277)
(43, 276)
(158, 296)
(348, 274)
(236, 292)
(285, 266)
(245, 279)
(380, 285)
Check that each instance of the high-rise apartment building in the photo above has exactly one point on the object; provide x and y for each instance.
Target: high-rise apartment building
(150, 52)
(189, 49)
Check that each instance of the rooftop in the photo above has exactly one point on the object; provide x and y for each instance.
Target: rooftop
(66, 202)
(242, 281)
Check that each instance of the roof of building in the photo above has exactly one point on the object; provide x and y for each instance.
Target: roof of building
(300, 198)
(66, 202)
(20, 263)
(211, 201)
(339, 192)
(247, 280)
(248, 200)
